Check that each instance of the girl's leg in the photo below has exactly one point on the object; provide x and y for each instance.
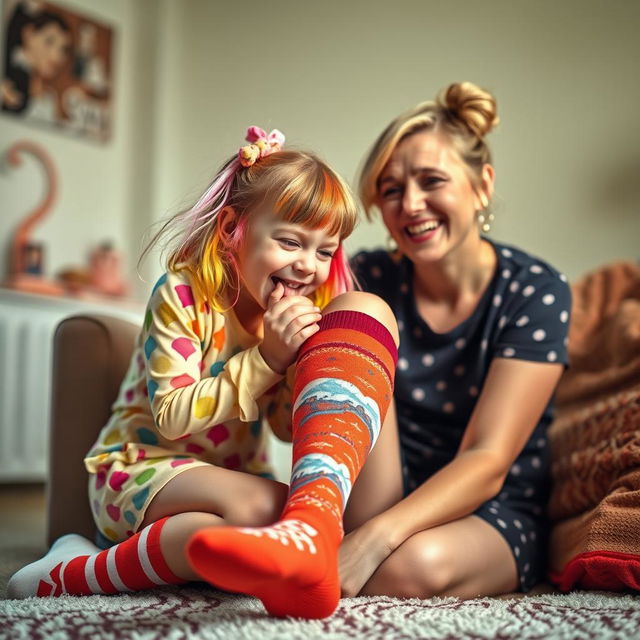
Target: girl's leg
(466, 558)
(202, 497)
(236, 498)
(342, 389)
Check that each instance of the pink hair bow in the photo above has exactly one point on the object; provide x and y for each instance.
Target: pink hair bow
(262, 145)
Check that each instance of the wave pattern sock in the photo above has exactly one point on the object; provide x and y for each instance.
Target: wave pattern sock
(77, 567)
(342, 389)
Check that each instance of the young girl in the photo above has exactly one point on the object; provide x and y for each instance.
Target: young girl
(483, 344)
(184, 451)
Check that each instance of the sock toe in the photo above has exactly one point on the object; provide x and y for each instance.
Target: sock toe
(24, 583)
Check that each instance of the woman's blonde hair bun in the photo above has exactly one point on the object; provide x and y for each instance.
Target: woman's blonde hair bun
(471, 105)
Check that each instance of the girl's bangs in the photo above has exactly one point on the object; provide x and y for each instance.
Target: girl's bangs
(317, 200)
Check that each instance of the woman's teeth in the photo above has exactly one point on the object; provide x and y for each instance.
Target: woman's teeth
(423, 227)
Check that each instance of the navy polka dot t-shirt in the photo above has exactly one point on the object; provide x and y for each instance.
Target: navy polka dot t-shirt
(523, 314)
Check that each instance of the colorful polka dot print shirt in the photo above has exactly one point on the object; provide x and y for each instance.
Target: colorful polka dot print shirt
(195, 393)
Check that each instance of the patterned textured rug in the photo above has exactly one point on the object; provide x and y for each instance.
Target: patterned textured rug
(199, 612)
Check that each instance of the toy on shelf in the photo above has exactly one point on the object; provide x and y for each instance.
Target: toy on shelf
(26, 260)
(102, 276)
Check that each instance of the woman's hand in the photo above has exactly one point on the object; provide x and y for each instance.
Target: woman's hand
(288, 322)
(361, 553)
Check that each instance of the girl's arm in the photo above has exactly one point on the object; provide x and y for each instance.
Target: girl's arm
(178, 327)
(509, 408)
(277, 407)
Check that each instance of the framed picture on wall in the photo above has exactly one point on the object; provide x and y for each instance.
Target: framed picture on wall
(57, 68)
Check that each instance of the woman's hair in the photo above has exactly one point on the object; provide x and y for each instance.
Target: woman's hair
(295, 185)
(463, 112)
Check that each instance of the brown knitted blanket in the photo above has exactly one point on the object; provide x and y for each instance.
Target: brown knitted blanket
(604, 336)
(595, 438)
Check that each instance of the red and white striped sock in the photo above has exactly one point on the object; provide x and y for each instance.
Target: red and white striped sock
(71, 567)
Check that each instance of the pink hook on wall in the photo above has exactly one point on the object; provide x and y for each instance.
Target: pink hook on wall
(19, 276)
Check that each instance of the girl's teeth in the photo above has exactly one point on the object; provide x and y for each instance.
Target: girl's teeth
(290, 285)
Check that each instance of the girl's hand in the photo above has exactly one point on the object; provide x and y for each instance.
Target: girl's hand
(361, 553)
(288, 322)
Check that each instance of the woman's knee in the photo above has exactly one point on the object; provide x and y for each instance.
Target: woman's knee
(367, 303)
(416, 571)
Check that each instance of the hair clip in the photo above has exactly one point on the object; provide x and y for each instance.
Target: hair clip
(262, 145)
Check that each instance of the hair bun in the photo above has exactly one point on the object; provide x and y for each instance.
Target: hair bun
(470, 104)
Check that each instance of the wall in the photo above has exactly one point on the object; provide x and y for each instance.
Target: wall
(192, 75)
(104, 189)
(331, 75)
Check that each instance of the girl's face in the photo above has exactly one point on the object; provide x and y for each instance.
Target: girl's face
(46, 48)
(427, 200)
(278, 251)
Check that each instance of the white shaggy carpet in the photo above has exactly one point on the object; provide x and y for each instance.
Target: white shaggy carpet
(198, 612)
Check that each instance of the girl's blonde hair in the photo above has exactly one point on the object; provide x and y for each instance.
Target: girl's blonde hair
(463, 112)
(295, 185)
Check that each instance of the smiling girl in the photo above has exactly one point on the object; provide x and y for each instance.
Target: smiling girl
(257, 280)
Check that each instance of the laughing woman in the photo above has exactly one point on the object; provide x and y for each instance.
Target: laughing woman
(482, 346)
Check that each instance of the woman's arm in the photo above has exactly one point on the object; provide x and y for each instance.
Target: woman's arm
(508, 409)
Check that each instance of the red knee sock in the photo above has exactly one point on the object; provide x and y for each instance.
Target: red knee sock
(342, 389)
(132, 565)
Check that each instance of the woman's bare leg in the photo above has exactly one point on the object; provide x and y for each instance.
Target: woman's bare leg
(379, 485)
(465, 558)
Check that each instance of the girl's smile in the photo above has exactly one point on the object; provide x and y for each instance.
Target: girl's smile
(276, 251)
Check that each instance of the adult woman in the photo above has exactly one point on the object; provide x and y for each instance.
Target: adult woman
(482, 347)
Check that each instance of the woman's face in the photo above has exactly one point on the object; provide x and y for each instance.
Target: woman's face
(427, 199)
(46, 48)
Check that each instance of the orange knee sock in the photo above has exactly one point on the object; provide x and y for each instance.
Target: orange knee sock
(342, 389)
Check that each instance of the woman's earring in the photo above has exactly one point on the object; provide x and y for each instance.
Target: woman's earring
(392, 245)
(485, 218)
(485, 221)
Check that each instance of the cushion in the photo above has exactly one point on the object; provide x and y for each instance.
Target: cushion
(595, 438)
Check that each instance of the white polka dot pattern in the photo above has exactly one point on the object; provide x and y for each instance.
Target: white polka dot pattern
(523, 314)
(418, 394)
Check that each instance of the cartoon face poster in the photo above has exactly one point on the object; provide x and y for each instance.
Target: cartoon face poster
(57, 68)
